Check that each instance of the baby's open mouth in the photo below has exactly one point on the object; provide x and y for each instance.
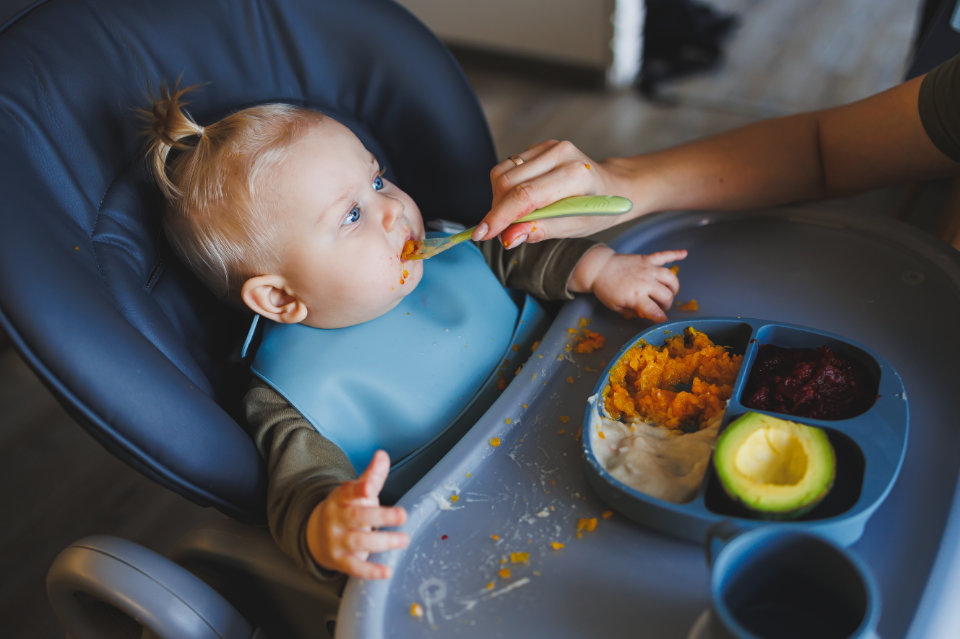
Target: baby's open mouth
(410, 246)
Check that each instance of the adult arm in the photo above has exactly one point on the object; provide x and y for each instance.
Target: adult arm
(834, 152)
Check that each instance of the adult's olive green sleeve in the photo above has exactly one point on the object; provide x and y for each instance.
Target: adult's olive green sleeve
(939, 106)
(303, 467)
(542, 269)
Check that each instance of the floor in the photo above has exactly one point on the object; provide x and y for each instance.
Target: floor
(787, 55)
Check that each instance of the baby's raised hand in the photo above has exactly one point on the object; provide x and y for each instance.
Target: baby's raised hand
(633, 285)
(342, 529)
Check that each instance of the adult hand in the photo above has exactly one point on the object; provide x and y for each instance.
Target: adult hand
(538, 176)
(342, 529)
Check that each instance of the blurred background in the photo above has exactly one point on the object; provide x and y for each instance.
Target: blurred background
(615, 77)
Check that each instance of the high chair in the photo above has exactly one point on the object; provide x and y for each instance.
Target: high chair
(128, 341)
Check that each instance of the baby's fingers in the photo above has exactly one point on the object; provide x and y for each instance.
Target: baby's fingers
(665, 257)
(371, 541)
(649, 309)
(369, 484)
(357, 566)
(375, 517)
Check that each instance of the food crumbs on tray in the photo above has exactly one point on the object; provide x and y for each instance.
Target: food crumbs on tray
(561, 431)
(490, 586)
(519, 557)
(495, 537)
(589, 341)
(416, 610)
(495, 442)
(556, 545)
(501, 383)
(504, 573)
(586, 524)
(508, 420)
(564, 419)
(674, 269)
(454, 498)
(607, 514)
(535, 345)
(569, 379)
(689, 306)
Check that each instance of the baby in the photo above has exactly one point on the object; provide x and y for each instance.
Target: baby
(283, 210)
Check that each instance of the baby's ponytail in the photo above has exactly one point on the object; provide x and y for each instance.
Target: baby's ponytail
(213, 178)
(170, 127)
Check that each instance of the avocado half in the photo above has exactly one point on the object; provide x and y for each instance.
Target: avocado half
(776, 468)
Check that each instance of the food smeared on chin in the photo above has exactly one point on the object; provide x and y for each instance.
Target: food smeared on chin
(409, 248)
(808, 382)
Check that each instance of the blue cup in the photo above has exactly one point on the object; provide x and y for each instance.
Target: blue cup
(776, 582)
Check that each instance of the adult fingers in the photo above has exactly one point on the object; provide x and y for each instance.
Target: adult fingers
(517, 159)
(559, 170)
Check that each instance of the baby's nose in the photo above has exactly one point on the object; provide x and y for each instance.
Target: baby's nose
(392, 210)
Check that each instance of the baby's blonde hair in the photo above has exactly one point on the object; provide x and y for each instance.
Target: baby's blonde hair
(220, 213)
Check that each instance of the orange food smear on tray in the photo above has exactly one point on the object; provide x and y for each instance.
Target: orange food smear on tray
(588, 341)
(683, 384)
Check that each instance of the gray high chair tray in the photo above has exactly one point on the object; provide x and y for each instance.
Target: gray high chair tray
(488, 510)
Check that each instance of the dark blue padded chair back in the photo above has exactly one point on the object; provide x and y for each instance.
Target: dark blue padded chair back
(129, 342)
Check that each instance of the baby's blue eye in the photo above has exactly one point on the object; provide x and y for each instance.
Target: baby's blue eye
(377, 183)
(352, 217)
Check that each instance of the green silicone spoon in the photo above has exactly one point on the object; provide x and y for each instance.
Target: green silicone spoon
(577, 205)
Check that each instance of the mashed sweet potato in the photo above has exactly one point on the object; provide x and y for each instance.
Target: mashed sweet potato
(683, 384)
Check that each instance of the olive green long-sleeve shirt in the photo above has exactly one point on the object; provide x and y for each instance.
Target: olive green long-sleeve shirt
(303, 466)
(939, 105)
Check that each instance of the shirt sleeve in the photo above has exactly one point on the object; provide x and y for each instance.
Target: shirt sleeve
(939, 106)
(541, 269)
(303, 467)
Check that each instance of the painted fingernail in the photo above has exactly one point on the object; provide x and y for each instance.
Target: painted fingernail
(480, 232)
(517, 241)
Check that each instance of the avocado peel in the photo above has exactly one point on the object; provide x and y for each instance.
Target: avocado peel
(777, 469)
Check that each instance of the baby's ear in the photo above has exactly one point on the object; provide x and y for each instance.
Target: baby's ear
(269, 296)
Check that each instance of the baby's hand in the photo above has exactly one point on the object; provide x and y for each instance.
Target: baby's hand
(341, 531)
(637, 285)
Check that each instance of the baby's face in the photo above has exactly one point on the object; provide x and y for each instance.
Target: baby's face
(342, 229)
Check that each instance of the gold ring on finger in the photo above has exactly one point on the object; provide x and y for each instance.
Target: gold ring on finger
(516, 159)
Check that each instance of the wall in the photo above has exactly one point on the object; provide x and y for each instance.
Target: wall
(598, 34)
